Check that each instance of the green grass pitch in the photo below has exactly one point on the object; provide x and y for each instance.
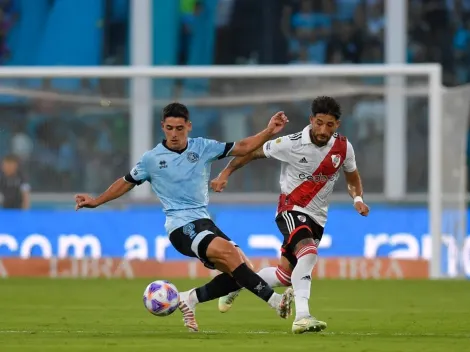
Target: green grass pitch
(100, 315)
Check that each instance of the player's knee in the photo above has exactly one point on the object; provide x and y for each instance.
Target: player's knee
(224, 254)
(305, 247)
(245, 259)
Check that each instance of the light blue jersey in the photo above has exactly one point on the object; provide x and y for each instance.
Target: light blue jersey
(180, 179)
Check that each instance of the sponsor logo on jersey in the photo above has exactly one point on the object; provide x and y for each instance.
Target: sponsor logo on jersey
(303, 161)
(320, 178)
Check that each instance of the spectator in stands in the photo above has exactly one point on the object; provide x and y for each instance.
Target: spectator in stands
(21, 144)
(4, 28)
(461, 51)
(347, 41)
(376, 20)
(186, 30)
(13, 186)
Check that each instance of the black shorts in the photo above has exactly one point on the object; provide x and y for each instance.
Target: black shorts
(193, 239)
(296, 226)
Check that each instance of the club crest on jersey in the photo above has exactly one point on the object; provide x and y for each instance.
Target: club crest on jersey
(193, 157)
(301, 218)
(336, 160)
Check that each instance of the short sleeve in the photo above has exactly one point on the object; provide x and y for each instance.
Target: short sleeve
(25, 186)
(139, 173)
(214, 150)
(279, 148)
(349, 164)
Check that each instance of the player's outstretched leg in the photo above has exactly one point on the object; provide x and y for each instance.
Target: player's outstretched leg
(225, 256)
(275, 277)
(306, 253)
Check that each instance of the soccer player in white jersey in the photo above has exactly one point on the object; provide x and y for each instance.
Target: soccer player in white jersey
(311, 161)
(178, 170)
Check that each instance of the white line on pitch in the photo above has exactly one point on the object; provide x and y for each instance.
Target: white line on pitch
(330, 333)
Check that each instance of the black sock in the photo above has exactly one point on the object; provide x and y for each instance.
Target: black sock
(253, 282)
(220, 286)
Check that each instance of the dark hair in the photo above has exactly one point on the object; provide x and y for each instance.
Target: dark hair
(326, 105)
(175, 110)
(11, 158)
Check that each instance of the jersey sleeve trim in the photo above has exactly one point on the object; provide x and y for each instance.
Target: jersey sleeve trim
(228, 148)
(129, 179)
(25, 187)
(267, 148)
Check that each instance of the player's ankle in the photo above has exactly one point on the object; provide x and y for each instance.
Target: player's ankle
(192, 299)
(189, 298)
(274, 300)
(301, 315)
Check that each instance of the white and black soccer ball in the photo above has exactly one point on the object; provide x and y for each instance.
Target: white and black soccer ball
(161, 298)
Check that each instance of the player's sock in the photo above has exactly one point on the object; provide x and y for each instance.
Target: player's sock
(254, 283)
(302, 280)
(220, 285)
(274, 277)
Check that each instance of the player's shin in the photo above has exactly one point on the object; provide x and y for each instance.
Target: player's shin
(255, 284)
(274, 277)
(220, 286)
(302, 279)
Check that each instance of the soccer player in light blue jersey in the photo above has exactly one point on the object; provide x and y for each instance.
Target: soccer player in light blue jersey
(178, 170)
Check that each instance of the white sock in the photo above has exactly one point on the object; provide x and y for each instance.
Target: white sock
(190, 297)
(301, 282)
(273, 276)
(274, 300)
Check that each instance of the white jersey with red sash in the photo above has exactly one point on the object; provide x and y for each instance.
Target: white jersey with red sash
(309, 172)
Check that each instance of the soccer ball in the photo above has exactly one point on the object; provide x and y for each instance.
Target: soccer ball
(161, 298)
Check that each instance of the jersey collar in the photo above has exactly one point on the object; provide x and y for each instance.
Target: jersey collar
(175, 151)
(306, 135)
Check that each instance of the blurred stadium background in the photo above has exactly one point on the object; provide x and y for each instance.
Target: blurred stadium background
(67, 142)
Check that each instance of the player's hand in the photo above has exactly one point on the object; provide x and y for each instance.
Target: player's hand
(85, 201)
(277, 122)
(219, 183)
(362, 208)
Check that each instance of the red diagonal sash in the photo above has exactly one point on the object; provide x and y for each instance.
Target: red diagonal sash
(303, 194)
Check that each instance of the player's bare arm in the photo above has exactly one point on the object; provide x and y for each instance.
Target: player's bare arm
(353, 180)
(116, 190)
(219, 183)
(249, 144)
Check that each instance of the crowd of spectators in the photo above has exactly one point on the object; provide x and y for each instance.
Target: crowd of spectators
(67, 147)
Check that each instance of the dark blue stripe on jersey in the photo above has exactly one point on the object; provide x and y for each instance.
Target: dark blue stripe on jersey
(228, 147)
(130, 179)
(295, 135)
